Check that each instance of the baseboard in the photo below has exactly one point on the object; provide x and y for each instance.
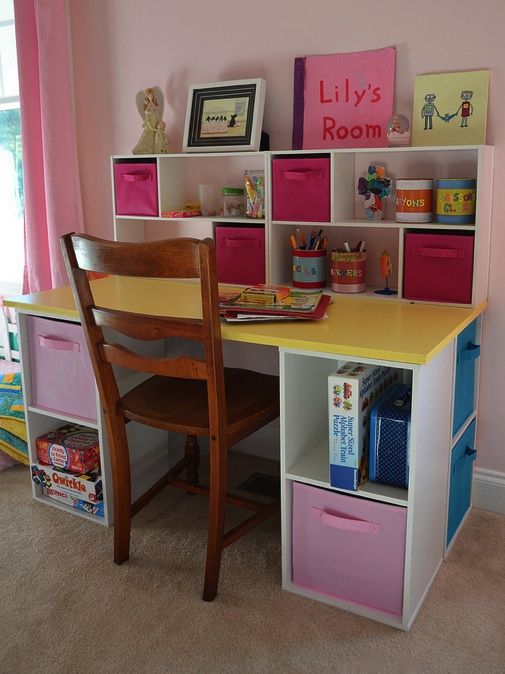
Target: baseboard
(489, 490)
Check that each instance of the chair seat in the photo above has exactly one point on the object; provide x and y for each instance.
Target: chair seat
(181, 405)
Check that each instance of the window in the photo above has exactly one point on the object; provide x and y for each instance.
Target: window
(11, 182)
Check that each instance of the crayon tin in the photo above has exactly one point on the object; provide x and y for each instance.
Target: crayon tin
(414, 202)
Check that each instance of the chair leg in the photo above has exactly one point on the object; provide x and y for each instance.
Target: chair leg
(122, 526)
(217, 501)
(121, 490)
(192, 451)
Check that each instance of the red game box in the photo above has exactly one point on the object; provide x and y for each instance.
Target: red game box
(72, 447)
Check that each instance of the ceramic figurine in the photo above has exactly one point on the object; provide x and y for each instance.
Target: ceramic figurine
(154, 139)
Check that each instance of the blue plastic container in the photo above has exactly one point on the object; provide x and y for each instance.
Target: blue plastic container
(456, 201)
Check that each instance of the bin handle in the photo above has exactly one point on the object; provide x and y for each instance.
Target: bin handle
(136, 176)
(58, 344)
(303, 175)
(344, 523)
(470, 453)
(242, 243)
(438, 252)
(470, 352)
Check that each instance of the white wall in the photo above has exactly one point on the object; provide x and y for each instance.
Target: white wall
(121, 46)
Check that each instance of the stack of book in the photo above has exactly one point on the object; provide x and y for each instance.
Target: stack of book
(264, 302)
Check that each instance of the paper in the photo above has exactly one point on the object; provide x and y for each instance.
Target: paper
(450, 108)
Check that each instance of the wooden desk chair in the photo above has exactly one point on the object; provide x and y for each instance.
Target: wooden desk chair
(185, 394)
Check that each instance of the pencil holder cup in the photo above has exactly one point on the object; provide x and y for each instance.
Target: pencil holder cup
(348, 272)
(309, 269)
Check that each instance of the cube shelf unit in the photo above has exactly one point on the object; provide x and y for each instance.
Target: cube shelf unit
(434, 487)
(42, 418)
(178, 176)
(46, 412)
(346, 209)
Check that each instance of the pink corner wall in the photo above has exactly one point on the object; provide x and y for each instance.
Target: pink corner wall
(121, 46)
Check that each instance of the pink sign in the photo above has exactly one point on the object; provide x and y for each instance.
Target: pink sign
(343, 100)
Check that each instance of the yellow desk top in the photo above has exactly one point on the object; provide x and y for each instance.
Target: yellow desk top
(356, 327)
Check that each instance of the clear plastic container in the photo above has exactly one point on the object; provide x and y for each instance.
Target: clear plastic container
(254, 182)
(234, 205)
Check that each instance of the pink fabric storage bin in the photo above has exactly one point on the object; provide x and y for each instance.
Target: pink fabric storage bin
(438, 267)
(349, 548)
(301, 189)
(240, 253)
(136, 188)
(61, 373)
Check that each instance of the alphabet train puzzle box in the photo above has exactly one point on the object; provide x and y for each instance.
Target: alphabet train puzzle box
(352, 390)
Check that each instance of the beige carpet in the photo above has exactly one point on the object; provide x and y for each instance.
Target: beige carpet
(66, 608)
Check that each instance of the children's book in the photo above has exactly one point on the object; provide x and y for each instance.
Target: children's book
(311, 306)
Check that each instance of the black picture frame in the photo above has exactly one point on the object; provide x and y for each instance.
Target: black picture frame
(224, 116)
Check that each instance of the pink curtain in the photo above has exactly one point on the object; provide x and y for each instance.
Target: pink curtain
(53, 203)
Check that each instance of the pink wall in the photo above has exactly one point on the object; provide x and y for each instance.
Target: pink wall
(121, 46)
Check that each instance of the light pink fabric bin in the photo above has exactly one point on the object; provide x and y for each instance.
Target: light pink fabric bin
(61, 373)
(348, 547)
(136, 188)
(301, 189)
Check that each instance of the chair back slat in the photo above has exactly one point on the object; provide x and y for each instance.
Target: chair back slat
(122, 258)
(173, 258)
(186, 367)
(142, 326)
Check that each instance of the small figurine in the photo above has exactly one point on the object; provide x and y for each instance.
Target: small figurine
(386, 269)
(154, 139)
(374, 187)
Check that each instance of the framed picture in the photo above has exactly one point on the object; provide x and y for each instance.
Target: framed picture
(224, 116)
(450, 108)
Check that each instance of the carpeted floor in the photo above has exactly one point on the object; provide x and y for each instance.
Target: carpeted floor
(66, 608)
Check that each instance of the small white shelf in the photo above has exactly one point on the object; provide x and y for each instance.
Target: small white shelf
(64, 418)
(198, 218)
(358, 609)
(313, 468)
(362, 223)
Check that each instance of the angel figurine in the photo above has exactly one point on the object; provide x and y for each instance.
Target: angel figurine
(154, 139)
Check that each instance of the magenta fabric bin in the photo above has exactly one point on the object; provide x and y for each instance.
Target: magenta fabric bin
(349, 548)
(61, 373)
(240, 254)
(438, 267)
(136, 188)
(301, 189)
